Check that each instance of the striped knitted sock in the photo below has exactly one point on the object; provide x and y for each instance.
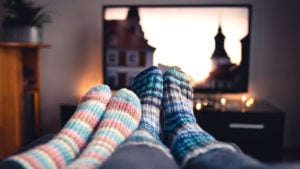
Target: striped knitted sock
(64, 147)
(148, 85)
(121, 117)
(184, 136)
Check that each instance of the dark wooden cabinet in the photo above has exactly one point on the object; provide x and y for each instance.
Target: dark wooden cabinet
(257, 130)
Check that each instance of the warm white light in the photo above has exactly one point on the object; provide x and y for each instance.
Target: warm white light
(250, 102)
(243, 98)
(198, 106)
(205, 103)
(223, 101)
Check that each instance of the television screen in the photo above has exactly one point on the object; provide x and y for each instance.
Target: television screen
(210, 43)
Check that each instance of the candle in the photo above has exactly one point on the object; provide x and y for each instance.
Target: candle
(250, 102)
(244, 98)
(198, 106)
(223, 101)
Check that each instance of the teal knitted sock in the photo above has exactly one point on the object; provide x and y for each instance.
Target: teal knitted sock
(121, 117)
(64, 147)
(148, 85)
(184, 136)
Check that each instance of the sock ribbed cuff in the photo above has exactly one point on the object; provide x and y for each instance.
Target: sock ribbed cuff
(208, 147)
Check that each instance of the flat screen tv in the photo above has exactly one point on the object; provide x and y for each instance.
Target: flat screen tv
(208, 42)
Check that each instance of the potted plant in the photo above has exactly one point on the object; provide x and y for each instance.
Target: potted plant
(23, 21)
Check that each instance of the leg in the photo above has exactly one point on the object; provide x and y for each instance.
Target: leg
(148, 85)
(219, 158)
(67, 144)
(121, 117)
(184, 136)
(139, 156)
(191, 146)
(144, 149)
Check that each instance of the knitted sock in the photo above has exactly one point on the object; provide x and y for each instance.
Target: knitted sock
(148, 85)
(184, 136)
(66, 145)
(121, 117)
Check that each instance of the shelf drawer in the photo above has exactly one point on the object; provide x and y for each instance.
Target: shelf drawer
(258, 134)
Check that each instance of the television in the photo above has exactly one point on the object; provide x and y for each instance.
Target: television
(210, 43)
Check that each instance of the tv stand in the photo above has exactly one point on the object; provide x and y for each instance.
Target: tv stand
(257, 130)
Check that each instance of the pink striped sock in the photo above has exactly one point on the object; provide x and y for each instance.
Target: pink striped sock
(121, 117)
(64, 147)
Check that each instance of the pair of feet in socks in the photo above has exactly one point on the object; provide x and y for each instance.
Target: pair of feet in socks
(170, 95)
(112, 119)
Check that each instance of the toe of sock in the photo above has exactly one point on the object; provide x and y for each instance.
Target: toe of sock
(129, 96)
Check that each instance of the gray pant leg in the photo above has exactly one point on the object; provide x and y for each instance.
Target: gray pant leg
(226, 159)
(139, 157)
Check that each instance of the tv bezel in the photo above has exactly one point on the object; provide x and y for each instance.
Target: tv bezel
(196, 90)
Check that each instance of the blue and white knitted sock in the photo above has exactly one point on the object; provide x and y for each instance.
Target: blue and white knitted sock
(148, 86)
(184, 136)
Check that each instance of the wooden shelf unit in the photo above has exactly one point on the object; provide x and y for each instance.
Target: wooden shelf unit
(19, 77)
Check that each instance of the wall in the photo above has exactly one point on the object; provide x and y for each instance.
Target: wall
(274, 68)
(74, 63)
